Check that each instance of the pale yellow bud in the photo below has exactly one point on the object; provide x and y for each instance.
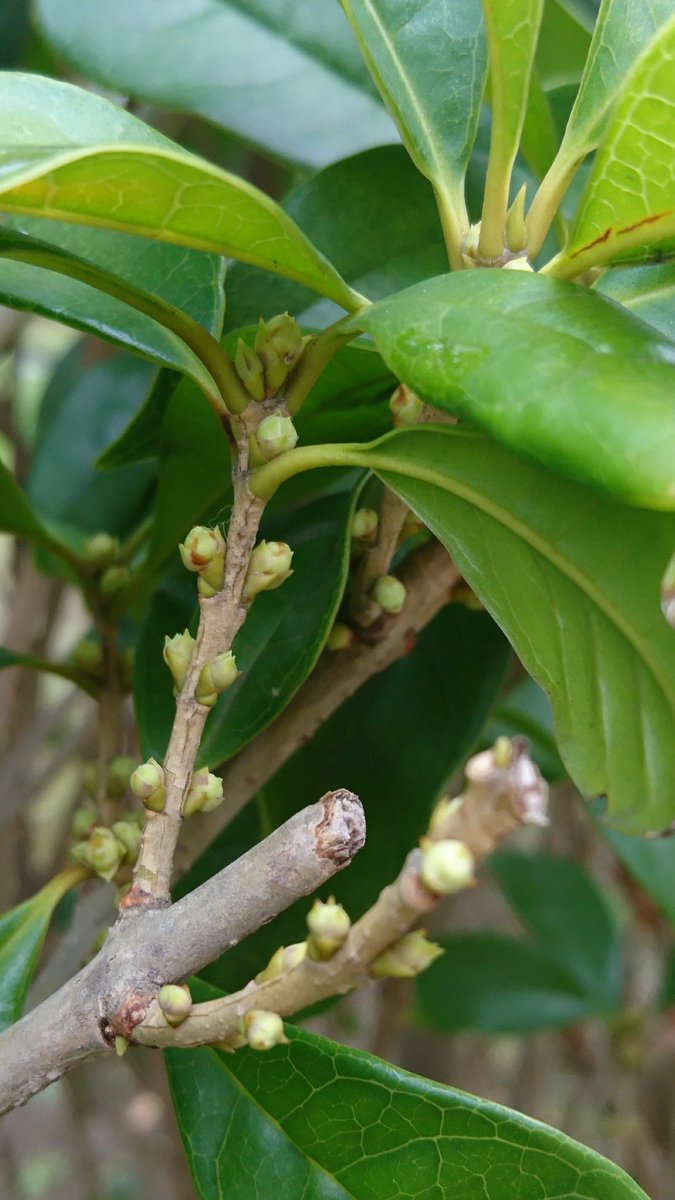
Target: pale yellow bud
(447, 866)
(263, 1030)
(328, 925)
(175, 1001)
(408, 957)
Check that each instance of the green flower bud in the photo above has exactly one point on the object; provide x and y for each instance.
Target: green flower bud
(177, 654)
(328, 926)
(200, 547)
(83, 818)
(175, 1001)
(268, 568)
(341, 637)
(102, 852)
(447, 866)
(405, 406)
(275, 435)
(279, 344)
(444, 815)
(114, 579)
(250, 370)
(408, 957)
(128, 833)
(101, 550)
(147, 782)
(119, 776)
(365, 524)
(263, 1030)
(389, 593)
(410, 527)
(216, 677)
(121, 1045)
(88, 656)
(205, 794)
(283, 959)
(516, 231)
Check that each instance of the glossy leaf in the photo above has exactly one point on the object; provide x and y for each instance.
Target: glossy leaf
(547, 368)
(67, 152)
(647, 291)
(369, 236)
(317, 1119)
(277, 647)
(539, 142)
(573, 579)
(395, 743)
(22, 932)
(628, 200)
(649, 860)
(429, 63)
(240, 63)
(564, 41)
(17, 517)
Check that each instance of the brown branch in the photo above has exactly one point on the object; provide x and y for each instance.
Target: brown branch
(376, 559)
(429, 576)
(150, 947)
(500, 796)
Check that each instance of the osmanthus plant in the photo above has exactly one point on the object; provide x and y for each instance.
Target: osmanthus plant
(531, 466)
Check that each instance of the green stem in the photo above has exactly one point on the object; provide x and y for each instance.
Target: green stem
(135, 540)
(230, 395)
(316, 355)
(455, 225)
(546, 203)
(266, 480)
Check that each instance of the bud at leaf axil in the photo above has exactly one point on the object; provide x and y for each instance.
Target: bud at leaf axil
(341, 637)
(447, 866)
(283, 959)
(408, 957)
(128, 833)
(268, 568)
(102, 852)
(147, 782)
(263, 1030)
(200, 547)
(328, 925)
(405, 406)
(250, 370)
(275, 435)
(216, 677)
(177, 654)
(205, 793)
(175, 1001)
(389, 593)
(365, 524)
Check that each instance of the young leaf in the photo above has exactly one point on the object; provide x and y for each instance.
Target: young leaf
(628, 200)
(338, 1123)
(22, 932)
(551, 370)
(429, 63)
(67, 151)
(240, 65)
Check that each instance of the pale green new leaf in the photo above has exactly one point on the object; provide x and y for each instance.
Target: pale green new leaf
(74, 156)
(629, 199)
(429, 62)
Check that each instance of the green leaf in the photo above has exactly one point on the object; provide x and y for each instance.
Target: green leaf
(67, 152)
(277, 647)
(17, 517)
(429, 62)
(563, 45)
(14, 31)
(647, 291)
(240, 63)
(84, 406)
(649, 860)
(9, 658)
(317, 1119)
(22, 932)
(369, 236)
(573, 579)
(549, 369)
(395, 743)
(539, 142)
(628, 200)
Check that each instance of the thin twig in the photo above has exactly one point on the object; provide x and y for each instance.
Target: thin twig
(376, 560)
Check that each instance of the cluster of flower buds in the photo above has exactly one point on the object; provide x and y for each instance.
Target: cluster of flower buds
(389, 593)
(283, 959)
(177, 654)
(447, 866)
(263, 1029)
(203, 551)
(328, 926)
(277, 349)
(216, 677)
(175, 1001)
(408, 957)
(341, 637)
(148, 784)
(102, 852)
(405, 406)
(205, 793)
(268, 568)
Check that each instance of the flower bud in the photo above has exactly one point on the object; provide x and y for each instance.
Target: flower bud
(177, 654)
(147, 782)
(88, 656)
(341, 637)
(128, 833)
(410, 527)
(101, 550)
(114, 579)
(275, 435)
(443, 815)
(328, 926)
(283, 959)
(365, 524)
(268, 568)
(102, 852)
(516, 230)
(216, 677)
(250, 370)
(83, 818)
(411, 955)
(119, 776)
(389, 593)
(447, 866)
(175, 1001)
(205, 794)
(405, 406)
(200, 547)
(279, 344)
(502, 752)
(263, 1030)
